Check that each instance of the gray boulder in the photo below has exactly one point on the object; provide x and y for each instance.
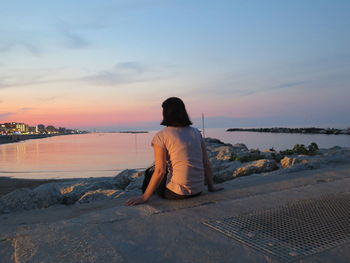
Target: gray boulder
(209, 140)
(123, 179)
(309, 162)
(99, 195)
(27, 199)
(70, 192)
(224, 153)
(135, 185)
(239, 147)
(289, 161)
(260, 166)
(225, 171)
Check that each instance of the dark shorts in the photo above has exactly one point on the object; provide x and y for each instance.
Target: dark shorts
(162, 191)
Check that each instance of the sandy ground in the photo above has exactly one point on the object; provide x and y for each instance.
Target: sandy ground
(164, 231)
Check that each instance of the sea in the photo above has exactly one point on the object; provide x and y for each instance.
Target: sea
(106, 154)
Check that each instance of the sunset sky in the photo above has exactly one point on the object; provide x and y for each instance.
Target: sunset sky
(110, 64)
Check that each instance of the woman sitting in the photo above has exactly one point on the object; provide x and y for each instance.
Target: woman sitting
(181, 160)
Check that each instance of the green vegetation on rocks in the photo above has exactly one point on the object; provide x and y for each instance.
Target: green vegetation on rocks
(312, 149)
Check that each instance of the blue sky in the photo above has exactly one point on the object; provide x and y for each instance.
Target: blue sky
(110, 64)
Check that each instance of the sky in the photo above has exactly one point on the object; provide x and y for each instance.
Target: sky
(108, 65)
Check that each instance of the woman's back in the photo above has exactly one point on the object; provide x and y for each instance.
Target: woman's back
(184, 156)
(182, 149)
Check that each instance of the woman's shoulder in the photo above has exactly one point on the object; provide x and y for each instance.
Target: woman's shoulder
(161, 133)
(195, 130)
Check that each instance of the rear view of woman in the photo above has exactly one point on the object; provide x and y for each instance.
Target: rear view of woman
(181, 161)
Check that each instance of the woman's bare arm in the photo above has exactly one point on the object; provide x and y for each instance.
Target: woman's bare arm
(158, 174)
(208, 170)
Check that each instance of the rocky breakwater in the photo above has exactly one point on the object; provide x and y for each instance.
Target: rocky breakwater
(309, 130)
(228, 162)
(232, 161)
(72, 192)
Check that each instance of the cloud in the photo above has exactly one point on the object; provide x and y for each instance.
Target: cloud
(13, 44)
(131, 66)
(122, 73)
(288, 85)
(30, 82)
(18, 77)
(52, 98)
(71, 34)
(74, 40)
(25, 109)
(5, 115)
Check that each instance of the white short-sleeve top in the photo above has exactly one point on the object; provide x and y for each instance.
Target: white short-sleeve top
(184, 158)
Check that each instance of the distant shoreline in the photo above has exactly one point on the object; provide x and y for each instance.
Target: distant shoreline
(127, 132)
(4, 139)
(313, 130)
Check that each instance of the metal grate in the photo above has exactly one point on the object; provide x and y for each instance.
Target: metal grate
(293, 231)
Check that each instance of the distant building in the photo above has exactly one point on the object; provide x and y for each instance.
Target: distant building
(51, 129)
(33, 129)
(3, 129)
(41, 128)
(22, 127)
(10, 125)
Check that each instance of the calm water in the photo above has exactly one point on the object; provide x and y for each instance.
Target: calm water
(94, 155)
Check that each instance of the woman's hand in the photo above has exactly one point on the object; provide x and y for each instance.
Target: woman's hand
(136, 201)
(215, 188)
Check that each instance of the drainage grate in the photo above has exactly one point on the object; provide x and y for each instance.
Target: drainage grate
(293, 231)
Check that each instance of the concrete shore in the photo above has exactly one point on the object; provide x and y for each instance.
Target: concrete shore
(163, 231)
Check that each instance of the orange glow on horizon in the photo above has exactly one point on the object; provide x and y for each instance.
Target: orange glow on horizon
(79, 119)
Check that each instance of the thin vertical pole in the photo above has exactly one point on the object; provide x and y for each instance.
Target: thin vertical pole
(203, 125)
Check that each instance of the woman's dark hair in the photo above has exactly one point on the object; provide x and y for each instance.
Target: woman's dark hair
(174, 113)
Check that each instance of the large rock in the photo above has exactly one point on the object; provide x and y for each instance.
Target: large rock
(225, 152)
(309, 162)
(259, 166)
(135, 185)
(289, 161)
(239, 147)
(269, 154)
(99, 195)
(70, 192)
(27, 199)
(225, 171)
(336, 154)
(123, 179)
(209, 140)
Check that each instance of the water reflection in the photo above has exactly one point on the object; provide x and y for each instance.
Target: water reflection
(104, 154)
(76, 155)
